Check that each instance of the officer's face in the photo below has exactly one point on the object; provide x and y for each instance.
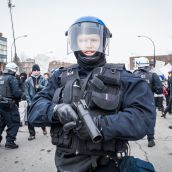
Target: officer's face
(88, 43)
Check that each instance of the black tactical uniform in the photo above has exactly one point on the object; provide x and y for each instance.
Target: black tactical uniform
(169, 106)
(156, 87)
(116, 101)
(9, 115)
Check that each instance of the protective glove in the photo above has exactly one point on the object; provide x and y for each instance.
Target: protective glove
(65, 113)
(82, 130)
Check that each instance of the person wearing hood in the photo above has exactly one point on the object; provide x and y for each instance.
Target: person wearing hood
(9, 114)
(33, 84)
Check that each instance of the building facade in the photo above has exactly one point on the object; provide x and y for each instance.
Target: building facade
(3, 52)
(57, 64)
(26, 66)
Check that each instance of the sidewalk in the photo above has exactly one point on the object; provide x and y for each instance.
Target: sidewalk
(161, 154)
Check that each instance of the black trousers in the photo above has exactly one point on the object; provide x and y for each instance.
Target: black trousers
(159, 103)
(30, 127)
(9, 116)
(169, 107)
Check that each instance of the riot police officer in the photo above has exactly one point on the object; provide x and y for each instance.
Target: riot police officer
(9, 95)
(144, 71)
(92, 94)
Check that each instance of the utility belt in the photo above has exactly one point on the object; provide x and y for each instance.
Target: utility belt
(71, 144)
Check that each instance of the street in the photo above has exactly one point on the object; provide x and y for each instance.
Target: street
(38, 155)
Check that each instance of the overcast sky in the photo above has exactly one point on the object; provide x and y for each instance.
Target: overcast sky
(45, 22)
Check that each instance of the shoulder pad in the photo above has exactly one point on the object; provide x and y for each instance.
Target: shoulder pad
(118, 66)
(128, 71)
(69, 68)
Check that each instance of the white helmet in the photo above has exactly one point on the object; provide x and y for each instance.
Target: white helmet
(142, 62)
(11, 66)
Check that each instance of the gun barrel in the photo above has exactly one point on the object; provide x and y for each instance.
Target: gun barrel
(88, 121)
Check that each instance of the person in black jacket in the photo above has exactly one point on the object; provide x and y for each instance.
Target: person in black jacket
(168, 109)
(113, 100)
(9, 95)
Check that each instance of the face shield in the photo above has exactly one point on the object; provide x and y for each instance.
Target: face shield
(86, 37)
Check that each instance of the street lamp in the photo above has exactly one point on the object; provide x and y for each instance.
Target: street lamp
(10, 5)
(153, 47)
(13, 43)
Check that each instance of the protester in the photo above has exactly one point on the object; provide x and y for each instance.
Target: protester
(168, 109)
(47, 76)
(23, 102)
(33, 85)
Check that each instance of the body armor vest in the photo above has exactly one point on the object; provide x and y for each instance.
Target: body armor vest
(101, 90)
(147, 76)
(5, 90)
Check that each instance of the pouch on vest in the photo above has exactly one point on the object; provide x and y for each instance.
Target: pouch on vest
(104, 101)
(131, 164)
(101, 95)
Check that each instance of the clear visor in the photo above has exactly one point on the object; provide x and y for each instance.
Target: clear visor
(86, 37)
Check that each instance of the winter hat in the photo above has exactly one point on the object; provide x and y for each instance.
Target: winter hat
(35, 67)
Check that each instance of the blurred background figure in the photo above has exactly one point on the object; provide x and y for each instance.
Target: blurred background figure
(47, 76)
(23, 102)
(160, 97)
(168, 109)
(33, 84)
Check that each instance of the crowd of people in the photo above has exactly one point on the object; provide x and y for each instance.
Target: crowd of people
(119, 105)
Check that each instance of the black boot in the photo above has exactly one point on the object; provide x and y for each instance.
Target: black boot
(21, 124)
(11, 145)
(1, 138)
(170, 127)
(164, 114)
(151, 143)
(31, 137)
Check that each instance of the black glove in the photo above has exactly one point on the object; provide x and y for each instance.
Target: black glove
(65, 113)
(82, 130)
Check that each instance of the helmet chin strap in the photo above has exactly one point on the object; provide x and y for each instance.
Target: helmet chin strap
(90, 62)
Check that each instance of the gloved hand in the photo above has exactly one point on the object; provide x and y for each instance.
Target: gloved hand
(82, 132)
(65, 113)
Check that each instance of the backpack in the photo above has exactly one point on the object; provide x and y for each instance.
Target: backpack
(131, 164)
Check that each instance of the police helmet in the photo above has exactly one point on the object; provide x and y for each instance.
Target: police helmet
(84, 26)
(142, 62)
(11, 66)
